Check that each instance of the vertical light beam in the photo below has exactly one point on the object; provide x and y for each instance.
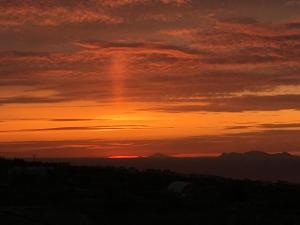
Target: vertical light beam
(118, 72)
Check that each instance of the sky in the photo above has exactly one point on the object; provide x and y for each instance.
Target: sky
(127, 78)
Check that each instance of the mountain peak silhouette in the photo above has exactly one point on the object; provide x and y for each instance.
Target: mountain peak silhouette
(256, 155)
(159, 156)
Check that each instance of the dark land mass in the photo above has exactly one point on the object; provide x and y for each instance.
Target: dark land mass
(255, 165)
(58, 193)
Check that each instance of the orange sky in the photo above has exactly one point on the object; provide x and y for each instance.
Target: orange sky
(101, 78)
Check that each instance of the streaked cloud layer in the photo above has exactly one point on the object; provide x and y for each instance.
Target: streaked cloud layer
(149, 71)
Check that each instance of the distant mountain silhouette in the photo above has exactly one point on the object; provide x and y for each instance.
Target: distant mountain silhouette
(257, 155)
(257, 165)
(159, 156)
(285, 155)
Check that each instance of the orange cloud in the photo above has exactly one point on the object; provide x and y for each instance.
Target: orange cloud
(21, 13)
(170, 59)
(141, 48)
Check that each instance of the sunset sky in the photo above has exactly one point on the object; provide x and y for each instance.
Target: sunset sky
(110, 78)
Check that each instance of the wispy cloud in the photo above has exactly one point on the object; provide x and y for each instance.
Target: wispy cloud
(82, 128)
(169, 58)
(209, 144)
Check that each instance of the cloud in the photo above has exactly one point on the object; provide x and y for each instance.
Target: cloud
(293, 25)
(280, 125)
(235, 104)
(118, 3)
(18, 14)
(171, 56)
(54, 119)
(239, 127)
(177, 66)
(195, 145)
(274, 126)
(81, 128)
(293, 3)
(21, 13)
(72, 120)
(141, 48)
(254, 103)
(32, 100)
(172, 73)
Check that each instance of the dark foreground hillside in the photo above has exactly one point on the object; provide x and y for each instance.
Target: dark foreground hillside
(54, 194)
